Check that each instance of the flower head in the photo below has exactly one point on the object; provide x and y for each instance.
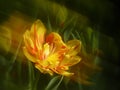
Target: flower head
(48, 52)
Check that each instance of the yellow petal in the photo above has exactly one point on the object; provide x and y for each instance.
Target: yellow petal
(29, 57)
(71, 57)
(27, 40)
(46, 50)
(43, 70)
(74, 47)
(62, 72)
(70, 61)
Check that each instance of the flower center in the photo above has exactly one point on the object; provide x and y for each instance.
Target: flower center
(46, 51)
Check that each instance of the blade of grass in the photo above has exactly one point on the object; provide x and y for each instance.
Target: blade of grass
(56, 87)
(30, 76)
(52, 84)
(13, 60)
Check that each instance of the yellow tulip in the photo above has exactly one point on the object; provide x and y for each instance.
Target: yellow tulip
(48, 52)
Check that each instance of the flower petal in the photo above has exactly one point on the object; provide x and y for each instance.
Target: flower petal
(55, 38)
(71, 57)
(43, 69)
(27, 40)
(55, 41)
(62, 72)
(38, 34)
(27, 54)
(70, 61)
(46, 50)
(74, 47)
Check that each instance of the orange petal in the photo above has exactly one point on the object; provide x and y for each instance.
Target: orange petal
(38, 33)
(55, 38)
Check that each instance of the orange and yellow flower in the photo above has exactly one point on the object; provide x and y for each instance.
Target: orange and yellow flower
(48, 52)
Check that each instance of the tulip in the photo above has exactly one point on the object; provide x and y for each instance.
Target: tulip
(48, 52)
